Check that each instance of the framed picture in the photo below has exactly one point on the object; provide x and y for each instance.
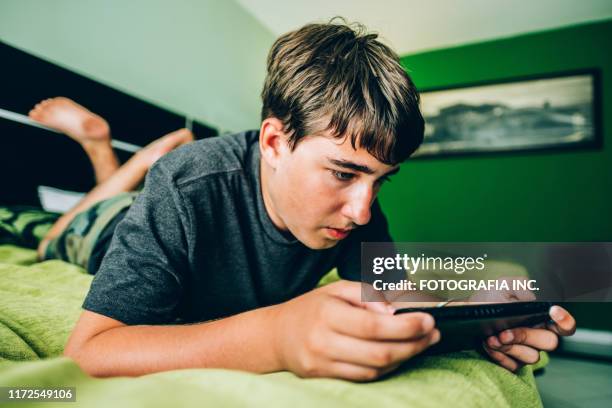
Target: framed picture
(559, 111)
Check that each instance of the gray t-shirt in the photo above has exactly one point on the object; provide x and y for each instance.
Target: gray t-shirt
(198, 244)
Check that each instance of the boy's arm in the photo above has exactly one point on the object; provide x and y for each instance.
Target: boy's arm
(105, 347)
(327, 332)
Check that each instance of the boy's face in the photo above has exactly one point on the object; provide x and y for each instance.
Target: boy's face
(323, 189)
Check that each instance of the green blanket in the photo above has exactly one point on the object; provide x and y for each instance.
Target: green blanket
(39, 303)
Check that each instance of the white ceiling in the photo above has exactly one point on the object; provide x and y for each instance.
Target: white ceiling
(417, 25)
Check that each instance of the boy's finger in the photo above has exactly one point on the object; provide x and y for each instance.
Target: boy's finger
(502, 359)
(376, 300)
(541, 339)
(353, 292)
(522, 354)
(523, 295)
(347, 291)
(564, 322)
(379, 307)
(378, 354)
(365, 324)
(353, 372)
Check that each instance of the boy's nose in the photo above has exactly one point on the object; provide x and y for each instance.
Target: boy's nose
(358, 209)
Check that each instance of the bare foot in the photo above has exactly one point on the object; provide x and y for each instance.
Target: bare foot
(153, 151)
(72, 119)
(84, 126)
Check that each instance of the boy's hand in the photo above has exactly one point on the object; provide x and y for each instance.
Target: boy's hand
(514, 348)
(330, 332)
(503, 296)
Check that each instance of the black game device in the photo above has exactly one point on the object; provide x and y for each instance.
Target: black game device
(465, 327)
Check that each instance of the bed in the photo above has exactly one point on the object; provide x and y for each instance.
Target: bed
(40, 302)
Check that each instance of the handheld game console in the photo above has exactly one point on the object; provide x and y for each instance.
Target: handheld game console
(465, 327)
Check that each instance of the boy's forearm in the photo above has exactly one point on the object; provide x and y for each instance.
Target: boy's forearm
(244, 341)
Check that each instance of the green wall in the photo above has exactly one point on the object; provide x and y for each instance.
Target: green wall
(560, 196)
(548, 196)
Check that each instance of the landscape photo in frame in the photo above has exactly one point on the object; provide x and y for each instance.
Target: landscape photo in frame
(536, 113)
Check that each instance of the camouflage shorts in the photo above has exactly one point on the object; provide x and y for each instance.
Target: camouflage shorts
(24, 226)
(88, 231)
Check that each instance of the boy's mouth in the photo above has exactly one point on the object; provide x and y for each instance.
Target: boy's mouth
(338, 233)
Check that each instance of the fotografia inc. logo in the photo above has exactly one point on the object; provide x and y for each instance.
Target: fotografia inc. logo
(413, 264)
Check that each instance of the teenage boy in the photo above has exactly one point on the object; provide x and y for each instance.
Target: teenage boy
(215, 262)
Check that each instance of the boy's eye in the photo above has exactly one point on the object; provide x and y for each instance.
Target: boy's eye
(342, 176)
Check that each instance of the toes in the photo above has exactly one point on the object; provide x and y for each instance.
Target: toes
(36, 112)
(63, 101)
(50, 101)
(38, 109)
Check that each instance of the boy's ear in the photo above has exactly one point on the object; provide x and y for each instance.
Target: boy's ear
(272, 141)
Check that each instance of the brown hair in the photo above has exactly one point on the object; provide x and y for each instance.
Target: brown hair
(340, 78)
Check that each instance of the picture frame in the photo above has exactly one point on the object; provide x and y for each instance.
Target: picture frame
(548, 112)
